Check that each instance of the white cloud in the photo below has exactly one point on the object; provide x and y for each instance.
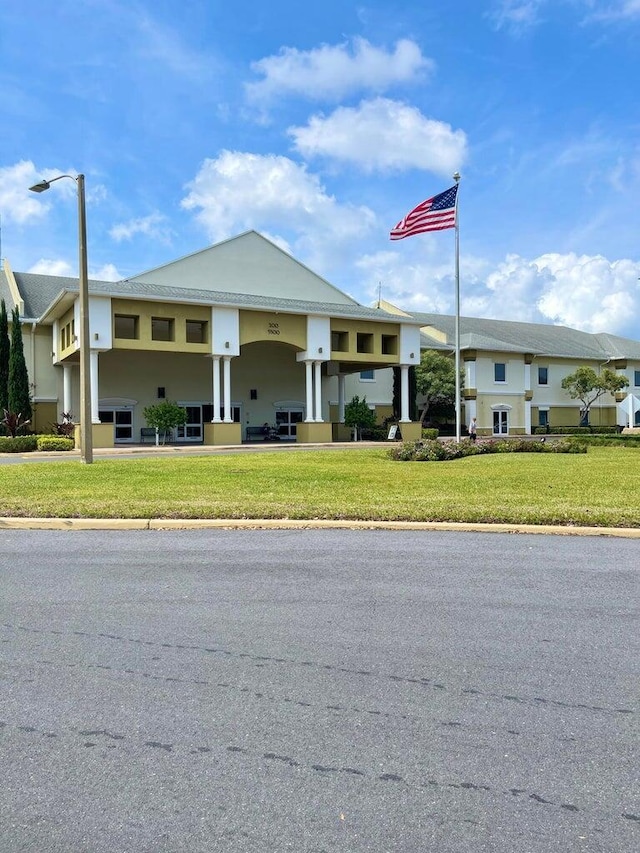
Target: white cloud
(334, 71)
(154, 225)
(239, 191)
(49, 266)
(17, 204)
(383, 135)
(589, 293)
(516, 15)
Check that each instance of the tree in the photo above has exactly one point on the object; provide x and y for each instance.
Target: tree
(165, 416)
(413, 390)
(5, 349)
(436, 382)
(358, 415)
(18, 397)
(588, 386)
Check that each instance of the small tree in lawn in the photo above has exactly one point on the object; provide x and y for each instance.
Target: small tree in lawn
(588, 386)
(165, 416)
(358, 415)
(18, 397)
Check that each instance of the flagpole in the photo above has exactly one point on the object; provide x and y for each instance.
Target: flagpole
(456, 178)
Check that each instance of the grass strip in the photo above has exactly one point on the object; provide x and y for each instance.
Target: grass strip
(600, 488)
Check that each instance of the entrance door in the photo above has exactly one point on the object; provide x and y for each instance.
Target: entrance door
(501, 423)
(287, 421)
(192, 429)
(122, 419)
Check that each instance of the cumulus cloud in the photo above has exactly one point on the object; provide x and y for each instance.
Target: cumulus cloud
(331, 72)
(154, 225)
(240, 191)
(58, 267)
(590, 293)
(383, 135)
(17, 204)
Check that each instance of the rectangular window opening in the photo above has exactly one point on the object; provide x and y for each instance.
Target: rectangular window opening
(196, 331)
(543, 376)
(500, 372)
(126, 326)
(364, 342)
(340, 341)
(389, 345)
(162, 329)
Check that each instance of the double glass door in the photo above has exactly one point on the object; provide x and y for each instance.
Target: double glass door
(197, 415)
(287, 421)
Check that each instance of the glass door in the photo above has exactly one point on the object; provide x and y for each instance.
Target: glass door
(287, 421)
(192, 429)
(122, 419)
(501, 423)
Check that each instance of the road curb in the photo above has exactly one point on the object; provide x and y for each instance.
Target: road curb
(302, 524)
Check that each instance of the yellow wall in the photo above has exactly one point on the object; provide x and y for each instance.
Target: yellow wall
(144, 311)
(355, 327)
(279, 328)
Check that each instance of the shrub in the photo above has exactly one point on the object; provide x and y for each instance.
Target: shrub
(54, 442)
(18, 444)
(430, 432)
(444, 451)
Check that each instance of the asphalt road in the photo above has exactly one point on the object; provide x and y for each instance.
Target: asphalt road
(270, 691)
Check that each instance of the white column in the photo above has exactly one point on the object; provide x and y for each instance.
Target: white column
(527, 417)
(309, 383)
(216, 389)
(341, 379)
(318, 389)
(470, 374)
(227, 389)
(95, 396)
(404, 394)
(66, 388)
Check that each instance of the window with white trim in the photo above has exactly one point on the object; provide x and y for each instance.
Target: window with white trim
(499, 371)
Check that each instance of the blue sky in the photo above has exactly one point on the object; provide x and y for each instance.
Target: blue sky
(320, 125)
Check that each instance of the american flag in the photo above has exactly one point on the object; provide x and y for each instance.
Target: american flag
(434, 214)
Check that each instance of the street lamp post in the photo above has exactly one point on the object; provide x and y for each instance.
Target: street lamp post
(86, 437)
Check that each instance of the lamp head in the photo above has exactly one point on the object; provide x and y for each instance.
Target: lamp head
(40, 187)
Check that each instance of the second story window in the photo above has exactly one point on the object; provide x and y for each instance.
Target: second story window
(543, 376)
(500, 372)
(162, 329)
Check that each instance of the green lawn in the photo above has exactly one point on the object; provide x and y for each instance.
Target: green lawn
(601, 487)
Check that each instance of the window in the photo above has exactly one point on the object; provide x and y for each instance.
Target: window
(196, 332)
(125, 326)
(364, 342)
(389, 345)
(500, 372)
(636, 378)
(543, 376)
(367, 376)
(543, 417)
(340, 341)
(162, 329)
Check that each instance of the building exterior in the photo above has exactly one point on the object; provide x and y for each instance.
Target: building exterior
(513, 372)
(242, 334)
(239, 334)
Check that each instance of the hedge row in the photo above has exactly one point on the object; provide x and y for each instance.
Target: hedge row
(576, 430)
(29, 443)
(443, 451)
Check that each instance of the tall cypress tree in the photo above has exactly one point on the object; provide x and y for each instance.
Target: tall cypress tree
(5, 348)
(19, 398)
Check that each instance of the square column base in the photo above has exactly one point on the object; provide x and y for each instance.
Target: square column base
(217, 434)
(103, 435)
(411, 431)
(314, 433)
